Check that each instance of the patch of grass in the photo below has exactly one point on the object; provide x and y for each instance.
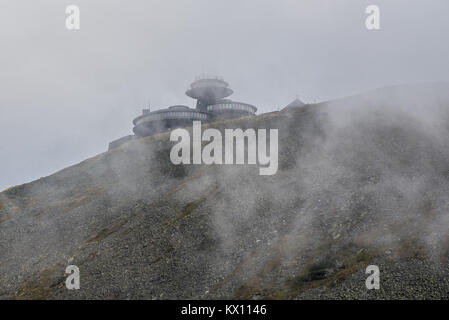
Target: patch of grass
(34, 293)
(14, 190)
(254, 285)
(411, 248)
(313, 272)
(188, 209)
(325, 274)
(106, 232)
(43, 285)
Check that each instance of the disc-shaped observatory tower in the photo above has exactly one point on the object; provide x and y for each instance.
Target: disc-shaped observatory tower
(208, 91)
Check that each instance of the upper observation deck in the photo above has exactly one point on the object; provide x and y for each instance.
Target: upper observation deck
(209, 89)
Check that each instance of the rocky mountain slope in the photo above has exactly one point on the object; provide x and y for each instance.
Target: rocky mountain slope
(362, 180)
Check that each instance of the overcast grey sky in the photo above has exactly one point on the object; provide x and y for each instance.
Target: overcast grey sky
(66, 94)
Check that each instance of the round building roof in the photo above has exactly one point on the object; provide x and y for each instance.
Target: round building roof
(231, 106)
(173, 112)
(209, 89)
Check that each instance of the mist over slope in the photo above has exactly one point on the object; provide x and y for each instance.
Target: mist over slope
(362, 180)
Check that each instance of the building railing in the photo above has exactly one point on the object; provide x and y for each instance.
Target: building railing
(173, 115)
(233, 106)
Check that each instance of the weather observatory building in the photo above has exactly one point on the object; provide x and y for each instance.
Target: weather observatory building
(211, 95)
